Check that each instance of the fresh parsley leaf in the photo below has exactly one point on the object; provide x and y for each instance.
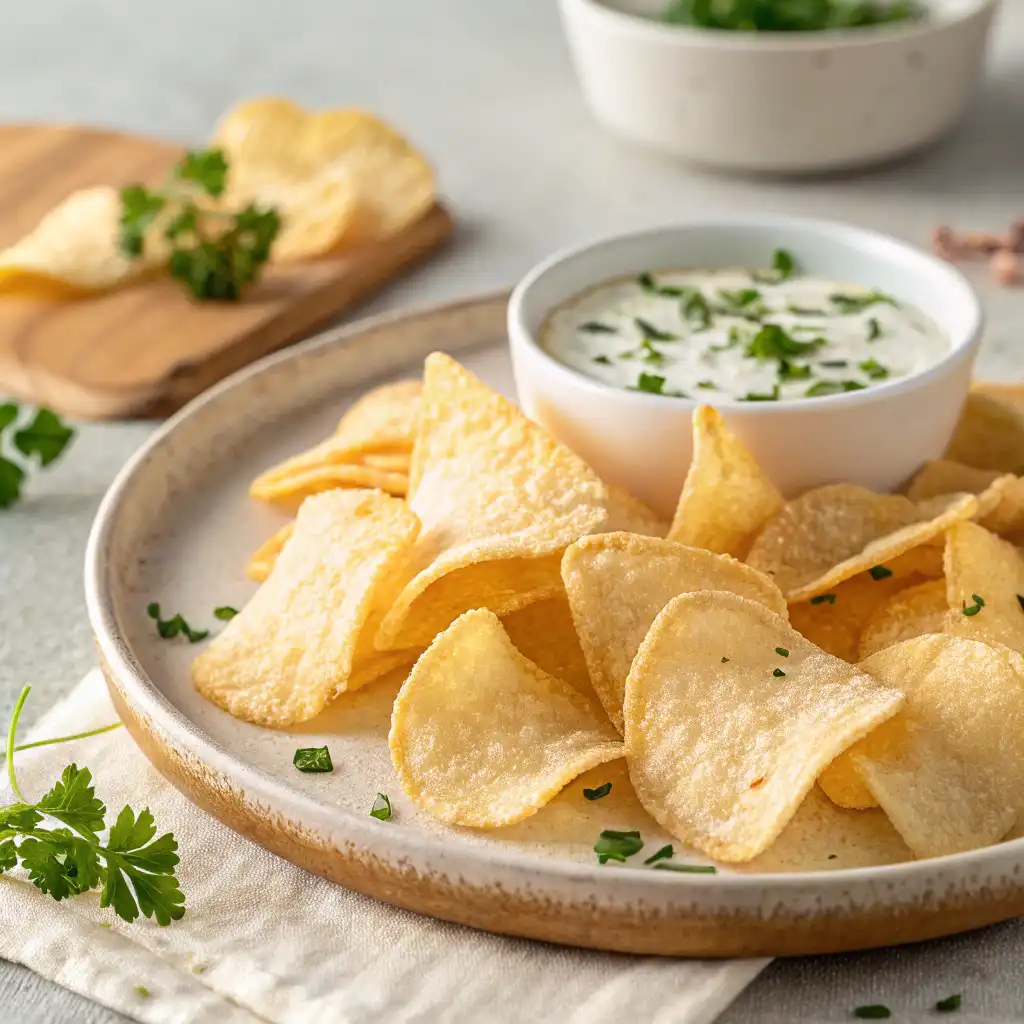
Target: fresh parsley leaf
(825, 388)
(772, 342)
(879, 572)
(46, 436)
(12, 476)
(874, 329)
(689, 869)
(850, 304)
(652, 333)
(206, 168)
(617, 846)
(225, 613)
(663, 854)
(381, 809)
(778, 673)
(874, 369)
(949, 1004)
(313, 759)
(596, 794)
(8, 855)
(596, 327)
(783, 264)
(874, 1012)
(73, 801)
(139, 208)
(650, 383)
(822, 598)
(176, 626)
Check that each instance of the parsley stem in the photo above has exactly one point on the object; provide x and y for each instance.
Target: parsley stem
(11, 733)
(68, 739)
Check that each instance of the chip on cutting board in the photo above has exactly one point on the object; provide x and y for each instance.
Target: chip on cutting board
(499, 500)
(835, 532)
(306, 635)
(726, 498)
(731, 715)
(984, 587)
(480, 736)
(617, 584)
(948, 770)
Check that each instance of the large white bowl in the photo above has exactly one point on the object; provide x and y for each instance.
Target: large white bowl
(777, 102)
(876, 438)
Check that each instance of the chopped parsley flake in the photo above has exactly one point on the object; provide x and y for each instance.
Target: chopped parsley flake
(313, 759)
(652, 333)
(874, 1012)
(1020, 601)
(735, 337)
(782, 651)
(788, 371)
(690, 869)
(225, 613)
(142, 991)
(825, 388)
(650, 353)
(177, 626)
(822, 598)
(741, 298)
(772, 342)
(706, 384)
(783, 264)
(754, 396)
(724, 660)
(874, 369)
(835, 364)
(647, 282)
(949, 1004)
(874, 329)
(850, 304)
(603, 360)
(879, 572)
(381, 809)
(596, 794)
(778, 673)
(663, 854)
(804, 311)
(697, 310)
(596, 327)
(617, 846)
(973, 609)
(651, 383)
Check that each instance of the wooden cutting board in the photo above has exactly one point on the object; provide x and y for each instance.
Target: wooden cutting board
(147, 349)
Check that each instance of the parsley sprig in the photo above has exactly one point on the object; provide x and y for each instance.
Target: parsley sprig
(133, 870)
(214, 251)
(44, 437)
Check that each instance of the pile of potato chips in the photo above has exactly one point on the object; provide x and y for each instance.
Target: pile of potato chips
(337, 179)
(751, 657)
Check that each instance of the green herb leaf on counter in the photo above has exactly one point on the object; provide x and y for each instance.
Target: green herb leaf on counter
(875, 1011)
(225, 613)
(176, 626)
(850, 304)
(689, 869)
(596, 794)
(772, 342)
(43, 438)
(832, 387)
(381, 809)
(596, 327)
(663, 854)
(879, 572)
(135, 870)
(617, 846)
(874, 369)
(949, 1004)
(313, 759)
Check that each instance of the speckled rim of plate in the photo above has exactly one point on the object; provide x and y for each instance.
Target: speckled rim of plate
(512, 893)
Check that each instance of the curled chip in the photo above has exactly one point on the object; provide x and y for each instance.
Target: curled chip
(74, 247)
(726, 498)
(293, 490)
(912, 612)
(984, 587)
(265, 556)
(272, 140)
(499, 500)
(630, 515)
(618, 583)
(382, 422)
(990, 434)
(731, 715)
(948, 770)
(480, 736)
(835, 532)
(307, 634)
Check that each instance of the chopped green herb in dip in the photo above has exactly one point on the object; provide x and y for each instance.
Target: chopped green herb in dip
(774, 334)
(790, 15)
(313, 759)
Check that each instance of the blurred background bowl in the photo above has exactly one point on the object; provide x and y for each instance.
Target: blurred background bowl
(775, 102)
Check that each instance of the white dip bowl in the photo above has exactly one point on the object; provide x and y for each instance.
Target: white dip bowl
(877, 437)
(777, 102)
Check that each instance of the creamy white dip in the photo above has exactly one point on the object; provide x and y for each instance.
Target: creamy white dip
(741, 335)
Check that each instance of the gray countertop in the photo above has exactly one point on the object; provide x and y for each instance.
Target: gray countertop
(486, 89)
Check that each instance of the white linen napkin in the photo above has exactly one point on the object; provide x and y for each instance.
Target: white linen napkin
(263, 941)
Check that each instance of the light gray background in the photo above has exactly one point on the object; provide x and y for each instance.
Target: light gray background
(485, 88)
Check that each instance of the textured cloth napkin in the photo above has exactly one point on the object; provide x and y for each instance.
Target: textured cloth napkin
(263, 941)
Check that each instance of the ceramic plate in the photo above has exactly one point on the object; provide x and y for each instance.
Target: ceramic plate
(178, 526)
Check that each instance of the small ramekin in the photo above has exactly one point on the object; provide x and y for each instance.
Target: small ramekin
(777, 102)
(876, 438)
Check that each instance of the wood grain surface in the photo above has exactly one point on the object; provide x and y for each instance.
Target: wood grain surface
(148, 348)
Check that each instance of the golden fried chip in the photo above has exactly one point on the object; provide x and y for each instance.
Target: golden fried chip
(75, 246)
(396, 463)
(948, 770)
(832, 533)
(843, 784)
(480, 736)
(617, 584)
(499, 500)
(731, 715)
(943, 476)
(981, 565)
(293, 490)
(307, 634)
(265, 556)
(726, 498)
(990, 435)
(274, 140)
(630, 515)
(1009, 392)
(912, 612)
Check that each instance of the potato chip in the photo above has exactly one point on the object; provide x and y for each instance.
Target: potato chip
(292, 491)
(1009, 392)
(912, 612)
(306, 635)
(617, 584)
(843, 784)
(630, 515)
(731, 715)
(948, 770)
(397, 463)
(943, 476)
(726, 498)
(480, 736)
(499, 500)
(990, 435)
(832, 533)
(75, 247)
(274, 140)
(984, 587)
(265, 556)
(382, 422)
